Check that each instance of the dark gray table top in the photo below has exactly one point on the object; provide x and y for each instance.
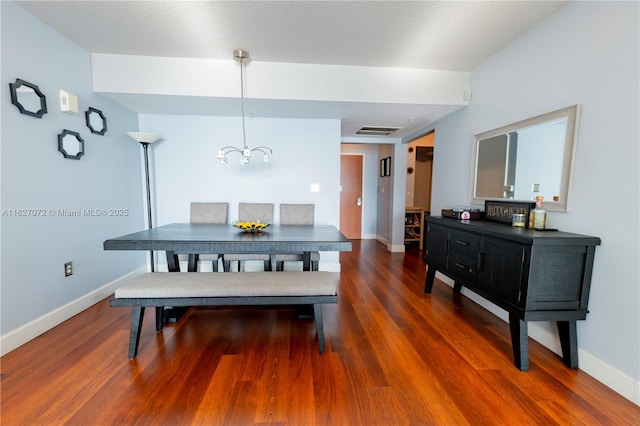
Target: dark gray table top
(208, 238)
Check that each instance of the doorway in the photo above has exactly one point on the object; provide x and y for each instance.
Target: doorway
(423, 173)
(420, 171)
(351, 167)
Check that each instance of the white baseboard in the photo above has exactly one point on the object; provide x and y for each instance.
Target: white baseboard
(611, 377)
(382, 240)
(397, 248)
(38, 326)
(330, 267)
(394, 248)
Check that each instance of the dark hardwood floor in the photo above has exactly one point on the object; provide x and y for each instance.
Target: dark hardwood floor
(395, 356)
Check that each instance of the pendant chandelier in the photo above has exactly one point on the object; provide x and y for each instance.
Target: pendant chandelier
(242, 56)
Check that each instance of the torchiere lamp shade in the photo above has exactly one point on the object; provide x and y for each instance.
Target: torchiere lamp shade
(144, 137)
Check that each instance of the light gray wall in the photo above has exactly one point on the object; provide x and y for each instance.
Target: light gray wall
(36, 176)
(185, 168)
(585, 54)
(398, 195)
(385, 199)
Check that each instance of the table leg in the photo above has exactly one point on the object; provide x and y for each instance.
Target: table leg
(159, 317)
(306, 261)
(172, 314)
(172, 261)
(192, 265)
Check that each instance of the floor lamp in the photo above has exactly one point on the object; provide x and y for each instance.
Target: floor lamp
(145, 140)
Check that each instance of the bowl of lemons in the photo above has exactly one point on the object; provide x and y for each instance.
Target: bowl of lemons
(256, 226)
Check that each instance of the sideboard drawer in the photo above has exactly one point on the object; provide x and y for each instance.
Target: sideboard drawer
(465, 243)
(462, 265)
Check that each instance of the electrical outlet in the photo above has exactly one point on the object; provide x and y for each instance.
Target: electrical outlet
(68, 269)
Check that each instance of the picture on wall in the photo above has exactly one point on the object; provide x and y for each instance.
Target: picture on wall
(385, 167)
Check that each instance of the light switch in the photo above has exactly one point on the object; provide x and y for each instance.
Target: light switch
(535, 187)
(68, 102)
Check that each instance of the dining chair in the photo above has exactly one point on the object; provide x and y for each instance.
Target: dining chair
(205, 213)
(251, 212)
(297, 214)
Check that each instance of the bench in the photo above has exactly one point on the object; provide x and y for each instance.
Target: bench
(184, 289)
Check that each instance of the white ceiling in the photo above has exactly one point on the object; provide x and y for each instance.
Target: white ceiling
(438, 35)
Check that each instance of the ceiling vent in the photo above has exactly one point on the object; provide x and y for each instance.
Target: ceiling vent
(377, 130)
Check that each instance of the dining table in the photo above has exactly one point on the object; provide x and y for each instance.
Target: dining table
(194, 239)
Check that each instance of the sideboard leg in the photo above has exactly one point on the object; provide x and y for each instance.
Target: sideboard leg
(457, 287)
(431, 276)
(520, 342)
(569, 343)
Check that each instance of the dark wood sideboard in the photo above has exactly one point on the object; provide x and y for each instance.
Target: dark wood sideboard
(533, 275)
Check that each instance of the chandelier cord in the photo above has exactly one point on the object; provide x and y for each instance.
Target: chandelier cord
(244, 136)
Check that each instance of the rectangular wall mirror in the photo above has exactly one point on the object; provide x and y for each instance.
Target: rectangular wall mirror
(525, 159)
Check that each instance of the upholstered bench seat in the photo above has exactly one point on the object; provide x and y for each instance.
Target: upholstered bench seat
(160, 289)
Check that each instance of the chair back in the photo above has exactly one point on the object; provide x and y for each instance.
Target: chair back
(209, 212)
(252, 212)
(297, 214)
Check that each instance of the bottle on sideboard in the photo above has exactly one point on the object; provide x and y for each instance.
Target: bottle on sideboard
(539, 214)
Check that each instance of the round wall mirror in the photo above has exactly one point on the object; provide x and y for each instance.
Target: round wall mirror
(96, 121)
(28, 98)
(70, 144)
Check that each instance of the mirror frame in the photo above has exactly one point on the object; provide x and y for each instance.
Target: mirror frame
(61, 137)
(572, 114)
(92, 111)
(13, 88)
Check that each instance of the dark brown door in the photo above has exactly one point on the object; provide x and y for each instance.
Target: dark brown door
(351, 196)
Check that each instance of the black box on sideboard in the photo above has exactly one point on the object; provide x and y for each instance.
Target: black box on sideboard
(462, 213)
